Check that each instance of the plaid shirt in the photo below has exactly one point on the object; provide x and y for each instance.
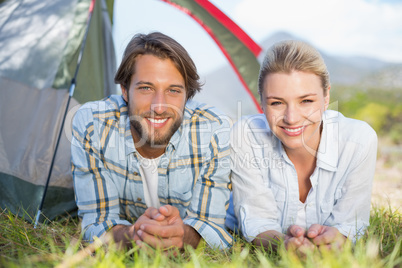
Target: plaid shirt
(193, 172)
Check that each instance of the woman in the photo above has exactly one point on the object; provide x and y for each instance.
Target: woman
(300, 173)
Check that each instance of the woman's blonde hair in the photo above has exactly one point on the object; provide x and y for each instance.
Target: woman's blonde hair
(288, 56)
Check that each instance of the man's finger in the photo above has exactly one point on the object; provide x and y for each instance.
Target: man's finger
(153, 213)
(163, 231)
(169, 211)
(158, 242)
(144, 219)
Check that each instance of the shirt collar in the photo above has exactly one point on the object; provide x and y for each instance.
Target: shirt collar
(128, 138)
(328, 151)
(175, 139)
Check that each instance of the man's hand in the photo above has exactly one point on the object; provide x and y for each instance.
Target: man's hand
(150, 216)
(296, 241)
(165, 230)
(159, 228)
(124, 235)
(325, 236)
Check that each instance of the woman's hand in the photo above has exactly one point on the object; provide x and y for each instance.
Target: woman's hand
(325, 236)
(296, 240)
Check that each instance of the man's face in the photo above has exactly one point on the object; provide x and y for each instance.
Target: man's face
(156, 99)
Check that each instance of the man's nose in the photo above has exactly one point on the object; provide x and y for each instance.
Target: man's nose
(159, 104)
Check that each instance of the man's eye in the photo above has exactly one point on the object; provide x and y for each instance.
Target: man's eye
(144, 88)
(307, 101)
(176, 91)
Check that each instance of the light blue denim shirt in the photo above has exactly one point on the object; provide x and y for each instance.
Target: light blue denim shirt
(193, 173)
(265, 185)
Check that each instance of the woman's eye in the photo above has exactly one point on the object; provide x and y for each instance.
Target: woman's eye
(275, 103)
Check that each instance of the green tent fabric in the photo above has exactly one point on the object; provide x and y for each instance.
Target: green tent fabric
(40, 42)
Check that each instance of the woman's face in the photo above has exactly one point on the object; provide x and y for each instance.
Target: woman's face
(293, 104)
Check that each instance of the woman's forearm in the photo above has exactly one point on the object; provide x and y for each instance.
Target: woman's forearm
(269, 239)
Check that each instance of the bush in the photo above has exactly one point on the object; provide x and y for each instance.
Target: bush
(374, 114)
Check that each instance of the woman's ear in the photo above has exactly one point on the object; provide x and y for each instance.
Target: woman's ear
(262, 105)
(327, 98)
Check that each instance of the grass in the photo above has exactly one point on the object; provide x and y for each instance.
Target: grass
(57, 244)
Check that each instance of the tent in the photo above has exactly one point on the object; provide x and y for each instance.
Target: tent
(40, 44)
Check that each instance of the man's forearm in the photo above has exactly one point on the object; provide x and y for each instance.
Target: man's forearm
(123, 235)
(191, 236)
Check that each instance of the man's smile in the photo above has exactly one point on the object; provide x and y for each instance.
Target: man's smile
(157, 122)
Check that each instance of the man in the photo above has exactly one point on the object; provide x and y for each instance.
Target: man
(151, 166)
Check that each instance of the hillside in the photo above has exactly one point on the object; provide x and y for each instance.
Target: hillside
(343, 70)
(359, 72)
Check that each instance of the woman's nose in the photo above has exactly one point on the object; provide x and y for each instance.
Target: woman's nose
(291, 115)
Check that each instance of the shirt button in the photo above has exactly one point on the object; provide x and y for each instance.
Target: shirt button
(139, 199)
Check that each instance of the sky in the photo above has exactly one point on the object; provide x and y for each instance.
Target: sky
(370, 28)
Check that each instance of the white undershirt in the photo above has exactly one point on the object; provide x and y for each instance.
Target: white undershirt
(301, 208)
(149, 177)
(301, 215)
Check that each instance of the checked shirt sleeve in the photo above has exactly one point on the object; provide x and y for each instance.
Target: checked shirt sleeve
(207, 210)
(95, 192)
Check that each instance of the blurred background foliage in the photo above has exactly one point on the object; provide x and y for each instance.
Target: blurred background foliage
(381, 108)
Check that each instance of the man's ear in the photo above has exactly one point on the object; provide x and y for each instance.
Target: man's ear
(124, 93)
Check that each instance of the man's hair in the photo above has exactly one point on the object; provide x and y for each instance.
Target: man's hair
(163, 47)
(288, 56)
